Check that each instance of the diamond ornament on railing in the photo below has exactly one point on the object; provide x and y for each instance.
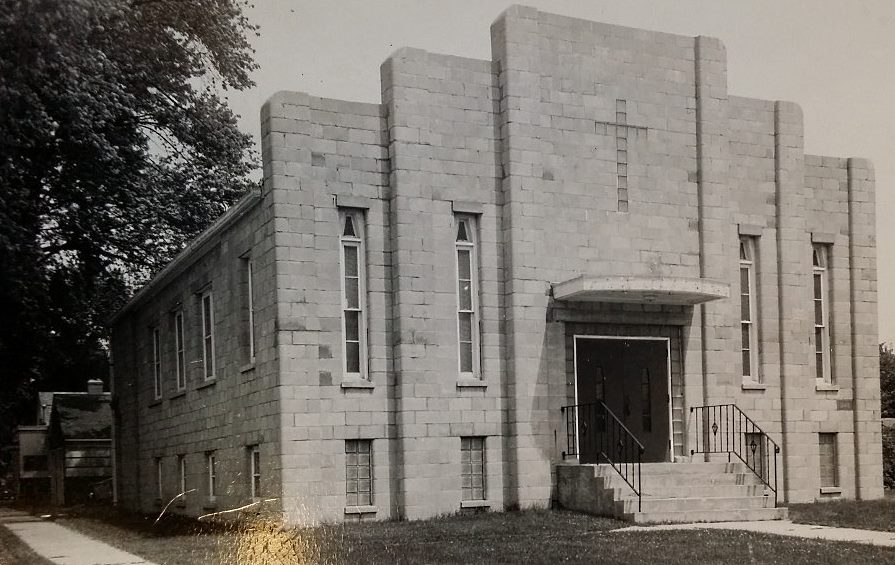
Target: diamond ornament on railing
(715, 428)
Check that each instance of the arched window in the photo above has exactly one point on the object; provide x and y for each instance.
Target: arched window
(354, 290)
(748, 309)
(466, 248)
(821, 278)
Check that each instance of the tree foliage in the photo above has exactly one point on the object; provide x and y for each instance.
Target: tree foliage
(116, 147)
(887, 380)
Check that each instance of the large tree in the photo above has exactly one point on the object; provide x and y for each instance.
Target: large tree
(116, 147)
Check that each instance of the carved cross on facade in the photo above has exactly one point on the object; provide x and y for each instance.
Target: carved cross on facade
(623, 132)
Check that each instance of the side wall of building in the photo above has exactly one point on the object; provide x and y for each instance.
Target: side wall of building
(227, 415)
(322, 156)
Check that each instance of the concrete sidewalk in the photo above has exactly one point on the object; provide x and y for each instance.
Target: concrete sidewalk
(783, 528)
(62, 545)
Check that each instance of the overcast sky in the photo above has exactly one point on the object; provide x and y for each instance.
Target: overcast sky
(836, 58)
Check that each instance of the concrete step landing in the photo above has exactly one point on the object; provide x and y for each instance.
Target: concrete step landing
(672, 493)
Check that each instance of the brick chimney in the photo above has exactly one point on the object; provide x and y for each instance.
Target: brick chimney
(94, 386)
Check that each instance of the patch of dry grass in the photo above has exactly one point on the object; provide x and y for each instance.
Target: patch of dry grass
(862, 514)
(534, 536)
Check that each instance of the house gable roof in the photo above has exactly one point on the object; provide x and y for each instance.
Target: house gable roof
(81, 416)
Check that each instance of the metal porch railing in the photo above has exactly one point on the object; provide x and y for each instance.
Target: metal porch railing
(724, 428)
(593, 430)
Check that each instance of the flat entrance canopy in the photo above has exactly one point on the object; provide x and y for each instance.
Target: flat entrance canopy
(683, 291)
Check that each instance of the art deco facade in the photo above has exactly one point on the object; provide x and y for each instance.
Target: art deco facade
(392, 324)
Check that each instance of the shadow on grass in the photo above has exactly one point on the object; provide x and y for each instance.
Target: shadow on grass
(14, 550)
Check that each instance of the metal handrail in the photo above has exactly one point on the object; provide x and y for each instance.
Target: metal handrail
(609, 438)
(725, 428)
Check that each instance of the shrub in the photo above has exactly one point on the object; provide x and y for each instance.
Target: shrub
(889, 457)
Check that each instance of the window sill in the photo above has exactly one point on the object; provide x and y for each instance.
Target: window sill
(180, 505)
(361, 510)
(831, 490)
(357, 383)
(157, 502)
(206, 384)
(471, 383)
(475, 504)
(179, 394)
(752, 385)
(210, 504)
(826, 387)
(155, 402)
(248, 367)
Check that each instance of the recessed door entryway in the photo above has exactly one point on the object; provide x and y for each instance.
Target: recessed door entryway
(631, 376)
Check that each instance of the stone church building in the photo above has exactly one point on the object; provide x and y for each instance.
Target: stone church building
(504, 272)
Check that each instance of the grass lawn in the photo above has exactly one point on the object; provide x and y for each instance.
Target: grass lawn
(536, 536)
(15, 552)
(863, 514)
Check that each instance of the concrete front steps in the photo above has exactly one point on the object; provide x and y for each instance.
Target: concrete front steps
(672, 492)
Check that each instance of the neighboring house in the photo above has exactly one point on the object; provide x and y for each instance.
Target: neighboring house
(79, 442)
(33, 476)
(32, 469)
(70, 447)
(449, 299)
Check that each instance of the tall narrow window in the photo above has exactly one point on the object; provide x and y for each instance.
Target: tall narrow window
(829, 460)
(160, 491)
(472, 468)
(255, 470)
(359, 472)
(821, 259)
(748, 309)
(646, 400)
(208, 335)
(353, 294)
(467, 297)
(180, 351)
(211, 468)
(157, 363)
(181, 468)
(250, 308)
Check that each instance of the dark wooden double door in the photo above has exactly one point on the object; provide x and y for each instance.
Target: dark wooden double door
(630, 376)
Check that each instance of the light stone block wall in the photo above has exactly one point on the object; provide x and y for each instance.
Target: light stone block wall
(748, 168)
(320, 154)
(753, 198)
(443, 146)
(769, 167)
(560, 79)
(864, 329)
(236, 410)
